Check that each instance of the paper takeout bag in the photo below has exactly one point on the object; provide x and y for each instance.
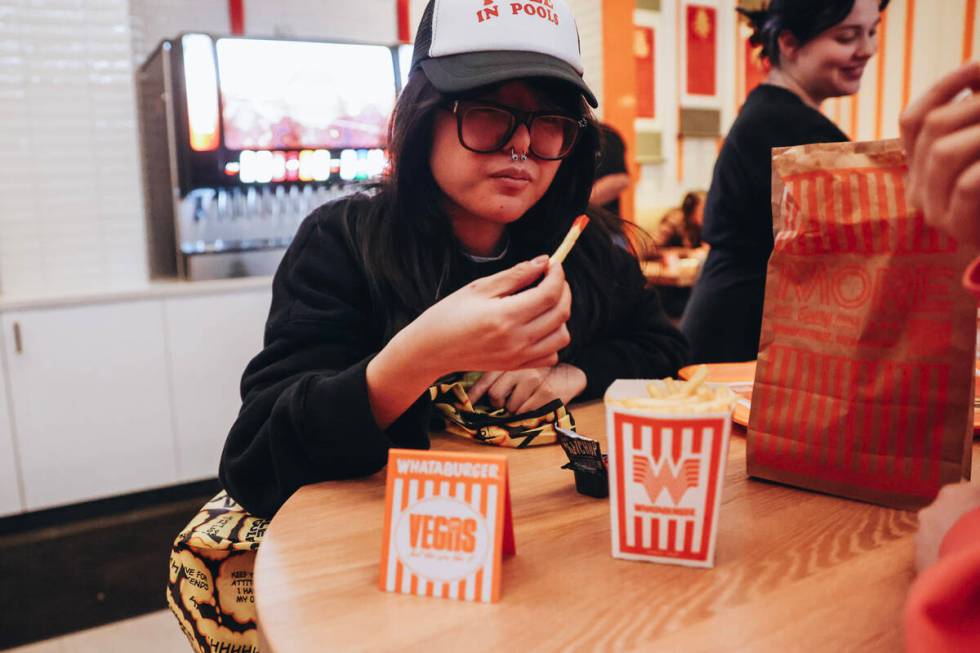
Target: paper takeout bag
(864, 381)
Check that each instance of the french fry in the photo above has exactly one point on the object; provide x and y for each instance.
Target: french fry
(654, 390)
(692, 397)
(566, 245)
(700, 376)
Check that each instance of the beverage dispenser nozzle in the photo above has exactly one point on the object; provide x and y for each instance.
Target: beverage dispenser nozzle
(223, 207)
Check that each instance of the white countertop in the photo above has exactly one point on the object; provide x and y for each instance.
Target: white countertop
(149, 290)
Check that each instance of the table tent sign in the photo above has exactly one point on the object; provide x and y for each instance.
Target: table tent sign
(447, 524)
(665, 477)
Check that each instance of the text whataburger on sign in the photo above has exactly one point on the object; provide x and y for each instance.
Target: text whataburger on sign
(447, 524)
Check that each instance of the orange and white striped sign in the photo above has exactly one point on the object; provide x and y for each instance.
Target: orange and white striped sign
(447, 524)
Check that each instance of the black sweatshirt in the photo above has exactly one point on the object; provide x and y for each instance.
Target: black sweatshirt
(305, 414)
(724, 316)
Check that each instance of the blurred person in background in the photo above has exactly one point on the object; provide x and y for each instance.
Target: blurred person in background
(942, 140)
(681, 226)
(817, 49)
(611, 177)
(678, 236)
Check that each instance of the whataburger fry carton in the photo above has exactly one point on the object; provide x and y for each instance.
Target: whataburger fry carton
(864, 382)
(447, 524)
(666, 470)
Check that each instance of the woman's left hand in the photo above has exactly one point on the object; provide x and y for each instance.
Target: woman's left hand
(522, 390)
(935, 520)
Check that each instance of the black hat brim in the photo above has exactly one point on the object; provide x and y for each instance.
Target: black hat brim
(463, 72)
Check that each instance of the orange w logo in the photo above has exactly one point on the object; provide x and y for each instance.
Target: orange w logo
(654, 480)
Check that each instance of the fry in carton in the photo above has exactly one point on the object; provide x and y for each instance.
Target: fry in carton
(668, 443)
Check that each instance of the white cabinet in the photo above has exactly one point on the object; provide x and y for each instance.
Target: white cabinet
(10, 500)
(90, 401)
(210, 340)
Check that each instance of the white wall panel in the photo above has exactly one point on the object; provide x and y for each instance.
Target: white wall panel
(11, 501)
(974, 47)
(867, 103)
(351, 20)
(90, 401)
(937, 41)
(210, 340)
(69, 167)
(894, 52)
(588, 17)
(155, 20)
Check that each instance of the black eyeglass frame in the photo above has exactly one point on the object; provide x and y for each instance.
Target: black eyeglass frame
(519, 118)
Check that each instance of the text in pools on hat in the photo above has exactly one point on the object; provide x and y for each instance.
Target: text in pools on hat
(544, 9)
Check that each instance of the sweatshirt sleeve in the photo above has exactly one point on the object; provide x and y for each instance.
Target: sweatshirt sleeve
(639, 341)
(943, 608)
(305, 414)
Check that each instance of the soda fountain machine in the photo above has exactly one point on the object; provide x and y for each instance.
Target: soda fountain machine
(243, 137)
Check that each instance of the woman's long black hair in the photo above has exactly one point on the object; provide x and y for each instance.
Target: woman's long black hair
(804, 19)
(406, 241)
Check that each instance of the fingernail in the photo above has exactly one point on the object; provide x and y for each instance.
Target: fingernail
(539, 261)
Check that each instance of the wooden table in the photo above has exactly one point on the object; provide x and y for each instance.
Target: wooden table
(795, 570)
(658, 274)
(671, 267)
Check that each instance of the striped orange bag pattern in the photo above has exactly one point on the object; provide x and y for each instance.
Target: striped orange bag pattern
(864, 383)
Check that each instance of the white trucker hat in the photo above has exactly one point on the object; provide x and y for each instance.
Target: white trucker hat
(465, 44)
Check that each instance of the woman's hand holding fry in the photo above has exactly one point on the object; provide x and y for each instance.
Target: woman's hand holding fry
(498, 322)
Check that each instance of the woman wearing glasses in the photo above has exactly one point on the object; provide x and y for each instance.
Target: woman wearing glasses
(445, 267)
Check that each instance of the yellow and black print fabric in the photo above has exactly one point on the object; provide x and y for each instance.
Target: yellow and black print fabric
(495, 426)
(211, 572)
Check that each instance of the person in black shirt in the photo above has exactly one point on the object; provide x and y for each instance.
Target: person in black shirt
(817, 49)
(611, 176)
(444, 268)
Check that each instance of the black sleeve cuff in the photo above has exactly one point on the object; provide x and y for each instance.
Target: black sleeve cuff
(340, 430)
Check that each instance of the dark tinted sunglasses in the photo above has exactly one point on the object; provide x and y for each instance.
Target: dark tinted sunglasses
(486, 127)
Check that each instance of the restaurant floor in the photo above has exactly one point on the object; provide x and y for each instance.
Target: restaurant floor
(73, 569)
(156, 632)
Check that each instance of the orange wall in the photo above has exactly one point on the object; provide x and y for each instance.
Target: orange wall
(619, 79)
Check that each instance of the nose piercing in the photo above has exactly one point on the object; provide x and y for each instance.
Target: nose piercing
(514, 156)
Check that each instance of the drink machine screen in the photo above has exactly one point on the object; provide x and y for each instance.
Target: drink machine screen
(282, 94)
(252, 135)
(288, 109)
